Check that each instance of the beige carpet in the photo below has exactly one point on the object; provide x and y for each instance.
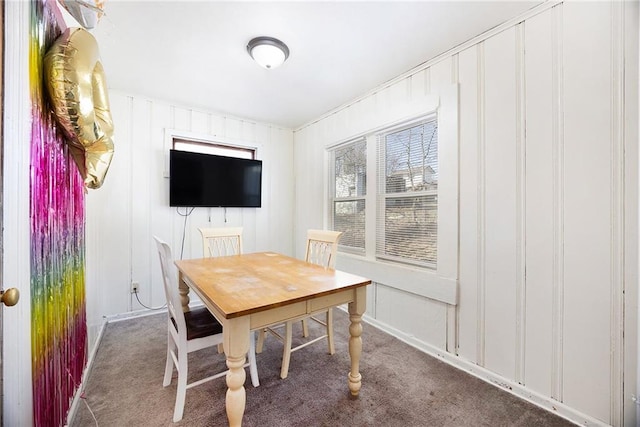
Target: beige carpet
(401, 386)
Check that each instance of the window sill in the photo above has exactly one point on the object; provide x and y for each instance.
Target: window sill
(422, 282)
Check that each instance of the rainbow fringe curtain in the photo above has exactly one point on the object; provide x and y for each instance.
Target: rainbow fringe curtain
(58, 316)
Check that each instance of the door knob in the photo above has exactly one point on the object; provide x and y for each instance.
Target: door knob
(10, 296)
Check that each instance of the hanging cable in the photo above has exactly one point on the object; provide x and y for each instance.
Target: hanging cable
(186, 214)
(149, 308)
(84, 399)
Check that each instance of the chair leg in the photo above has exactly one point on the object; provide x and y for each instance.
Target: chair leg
(305, 328)
(332, 349)
(253, 367)
(168, 368)
(182, 385)
(260, 340)
(286, 353)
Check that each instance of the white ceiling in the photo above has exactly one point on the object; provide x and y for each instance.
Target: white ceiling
(194, 53)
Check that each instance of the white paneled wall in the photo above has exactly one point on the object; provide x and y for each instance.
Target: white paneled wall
(133, 204)
(547, 207)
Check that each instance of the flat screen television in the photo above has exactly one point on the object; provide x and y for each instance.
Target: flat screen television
(207, 180)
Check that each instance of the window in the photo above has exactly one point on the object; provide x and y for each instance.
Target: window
(407, 196)
(411, 205)
(218, 149)
(349, 182)
(404, 209)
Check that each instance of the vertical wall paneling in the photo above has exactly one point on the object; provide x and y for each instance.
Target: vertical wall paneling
(587, 207)
(631, 14)
(233, 128)
(440, 75)
(500, 205)
(297, 158)
(617, 212)
(139, 199)
(366, 106)
(108, 213)
(309, 188)
(148, 292)
(397, 96)
(421, 318)
(418, 86)
(452, 311)
(181, 237)
(452, 329)
(448, 182)
(481, 218)
(558, 202)
(448, 196)
(199, 122)
(217, 125)
(161, 214)
(520, 142)
(261, 230)
(371, 299)
(181, 118)
(468, 333)
(539, 203)
(427, 81)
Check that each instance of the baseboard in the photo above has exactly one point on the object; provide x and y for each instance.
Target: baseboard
(134, 314)
(544, 402)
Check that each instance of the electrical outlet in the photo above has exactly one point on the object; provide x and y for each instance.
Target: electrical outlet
(135, 287)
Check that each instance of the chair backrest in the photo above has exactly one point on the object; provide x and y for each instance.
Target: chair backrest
(322, 246)
(170, 280)
(221, 241)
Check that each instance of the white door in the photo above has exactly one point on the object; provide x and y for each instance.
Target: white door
(17, 402)
(1, 104)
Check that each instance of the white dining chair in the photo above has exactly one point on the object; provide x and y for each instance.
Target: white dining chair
(221, 241)
(189, 331)
(322, 246)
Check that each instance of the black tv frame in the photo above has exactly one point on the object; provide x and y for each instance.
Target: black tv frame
(209, 180)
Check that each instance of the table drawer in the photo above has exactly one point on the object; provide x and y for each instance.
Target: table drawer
(331, 300)
(278, 315)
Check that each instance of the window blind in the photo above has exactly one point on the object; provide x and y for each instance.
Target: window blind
(349, 186)
(407, 202)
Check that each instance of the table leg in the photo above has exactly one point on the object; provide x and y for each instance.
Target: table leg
(183, 290)
(236, 345)
(356, 310)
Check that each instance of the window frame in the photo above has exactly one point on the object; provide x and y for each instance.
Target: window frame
(440, 284)
(171, 136)
(213, 147)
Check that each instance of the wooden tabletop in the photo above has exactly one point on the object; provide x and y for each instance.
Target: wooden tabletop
(243, 284)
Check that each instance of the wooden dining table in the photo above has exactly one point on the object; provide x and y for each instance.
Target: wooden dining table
(251, 291)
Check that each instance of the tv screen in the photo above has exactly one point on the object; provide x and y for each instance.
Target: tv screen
(206, 180)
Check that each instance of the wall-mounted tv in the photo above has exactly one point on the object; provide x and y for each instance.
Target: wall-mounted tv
(207, 180)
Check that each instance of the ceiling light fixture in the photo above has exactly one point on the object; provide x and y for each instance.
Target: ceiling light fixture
(268, 52)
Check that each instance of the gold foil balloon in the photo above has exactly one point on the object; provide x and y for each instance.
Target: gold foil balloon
(78, 91)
